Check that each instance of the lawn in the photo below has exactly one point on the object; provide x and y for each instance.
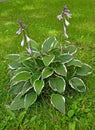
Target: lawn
(40, 16)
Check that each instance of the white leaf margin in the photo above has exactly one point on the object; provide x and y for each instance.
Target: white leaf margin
(87, 73)
(53, 43)
(53, 103)
(47, 75)
(80, 80)
(41, 88)
(73, 52)
(64, 87)
(64, 68)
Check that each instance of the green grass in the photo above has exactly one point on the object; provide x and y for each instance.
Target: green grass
(40, 16)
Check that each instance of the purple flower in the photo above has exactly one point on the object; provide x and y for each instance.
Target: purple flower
(20, 30)
(64, 15)
(66, 12)
(22, 25)
(59, 17)
(29, 50)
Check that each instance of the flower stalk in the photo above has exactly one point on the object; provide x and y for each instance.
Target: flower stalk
(25, 39)
(64, 15)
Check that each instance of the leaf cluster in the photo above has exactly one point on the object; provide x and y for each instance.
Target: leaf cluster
(52, 64)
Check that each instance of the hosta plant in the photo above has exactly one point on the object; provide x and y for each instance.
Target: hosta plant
(38, 68)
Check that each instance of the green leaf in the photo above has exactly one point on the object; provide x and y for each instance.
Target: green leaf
(77, 84)
(20, 69)
(75, 62)
(16, 88)
(33, 119)
(48, 59)
(22, 76)
(26, 87)
(39, 63)
(71, 49)
(14, 65)
(21, 116)
(60, 69)
(65, 58)
(55, 51)
(49, 44)
(47, 72)
(71, 113)
(29, 64)
(44, 127)
(38, 86)
(58, 101)
(84, 70)
(35, 76)
(13, 57)
(57, 84)
(17, 103)
(11, 113)
(30, 98)
(72, 125)
(24, 56)
(33, 45)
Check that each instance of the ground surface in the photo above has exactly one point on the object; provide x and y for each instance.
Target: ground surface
(40, 16)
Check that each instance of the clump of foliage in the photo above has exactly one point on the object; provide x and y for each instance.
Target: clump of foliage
(51, 65)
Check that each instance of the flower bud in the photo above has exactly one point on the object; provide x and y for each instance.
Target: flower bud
(27, 39)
